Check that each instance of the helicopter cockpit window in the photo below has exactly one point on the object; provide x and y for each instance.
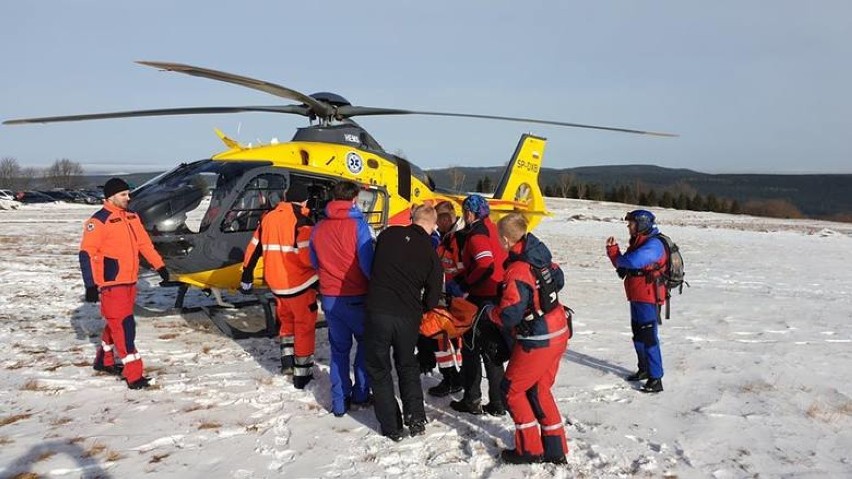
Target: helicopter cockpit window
(186, 199)
(260, 195)
(372, 203)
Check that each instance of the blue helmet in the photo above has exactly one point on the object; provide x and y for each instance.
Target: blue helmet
(644, 220)
(477, 205)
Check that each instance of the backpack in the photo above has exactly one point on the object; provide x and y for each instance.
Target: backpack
(672, 274)
(549, 280)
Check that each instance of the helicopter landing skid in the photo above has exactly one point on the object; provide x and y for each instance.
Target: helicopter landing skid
(270, 326)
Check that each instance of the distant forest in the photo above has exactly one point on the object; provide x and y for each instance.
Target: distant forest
(780, 196)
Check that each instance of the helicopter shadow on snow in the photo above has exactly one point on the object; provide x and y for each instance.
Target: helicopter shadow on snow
(23, 465)
(265, 351)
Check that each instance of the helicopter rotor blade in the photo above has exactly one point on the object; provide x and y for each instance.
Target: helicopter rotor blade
(348, 111)
(319, 108)
(204, 110)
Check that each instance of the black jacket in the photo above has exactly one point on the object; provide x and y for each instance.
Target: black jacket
(407, 276)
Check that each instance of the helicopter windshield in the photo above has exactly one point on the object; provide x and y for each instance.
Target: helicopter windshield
(187, 198)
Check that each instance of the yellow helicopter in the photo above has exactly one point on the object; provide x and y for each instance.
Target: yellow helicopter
(201, 215)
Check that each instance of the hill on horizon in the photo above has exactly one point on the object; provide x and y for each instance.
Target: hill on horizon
(815, 195)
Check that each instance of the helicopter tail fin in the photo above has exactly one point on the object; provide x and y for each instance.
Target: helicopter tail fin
(518, 189)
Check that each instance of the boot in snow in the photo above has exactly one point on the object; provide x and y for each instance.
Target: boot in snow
(654, 385)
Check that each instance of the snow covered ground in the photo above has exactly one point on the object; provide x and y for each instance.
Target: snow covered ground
(757, 355)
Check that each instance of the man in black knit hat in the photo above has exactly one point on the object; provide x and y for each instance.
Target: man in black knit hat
(113, 239)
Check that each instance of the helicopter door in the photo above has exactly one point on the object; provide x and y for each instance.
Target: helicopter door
(373, 202)
(260, 194)
(257, 192)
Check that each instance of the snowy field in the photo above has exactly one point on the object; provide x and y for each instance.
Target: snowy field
(757, 355)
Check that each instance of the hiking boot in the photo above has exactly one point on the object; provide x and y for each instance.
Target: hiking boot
(654, 385)
(417, 428)
(112, 369)
(287, 365)
(494, 409)
(141, 383)
(511, 456)
(464, 406)
(444, 388)
(346, 404)
(558, 460)
(299, 382)
(637, 376)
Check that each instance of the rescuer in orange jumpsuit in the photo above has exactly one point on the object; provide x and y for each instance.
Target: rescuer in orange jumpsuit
(113, 238)
(282, 239)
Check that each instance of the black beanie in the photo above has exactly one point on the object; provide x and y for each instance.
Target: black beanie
(115, 185)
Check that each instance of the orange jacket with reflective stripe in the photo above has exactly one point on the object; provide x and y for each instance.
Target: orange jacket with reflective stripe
(282, 240)
(449, 252)
(113, 238)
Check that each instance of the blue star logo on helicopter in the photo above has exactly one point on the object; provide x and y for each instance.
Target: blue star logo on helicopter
(354, 163)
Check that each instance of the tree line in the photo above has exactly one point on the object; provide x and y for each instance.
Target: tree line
(680, 196)
(63, 173)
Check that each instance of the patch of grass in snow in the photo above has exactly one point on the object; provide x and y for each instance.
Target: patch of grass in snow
(209, 425)
(95, 449)
(168, 336)
(59, 421)
(757, 387)
(113, 456)
(53, 367)
(15, 365)
(34, 385)
(158, 457)
(196, 407)
(44, 456)
(5, 440)
(26, 475)
(829, 413)
(13, 419)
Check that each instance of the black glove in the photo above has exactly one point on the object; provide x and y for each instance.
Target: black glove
(426, 348)
(490, 340)
(92, 294)
(164, 273)
(621, 272)
(524, 328)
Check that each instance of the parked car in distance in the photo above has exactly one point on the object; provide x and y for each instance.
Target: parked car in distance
(33, 197)
(82, 196)
(7, 195)
(59, 195)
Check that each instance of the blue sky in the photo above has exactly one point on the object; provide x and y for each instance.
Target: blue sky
(757, 86)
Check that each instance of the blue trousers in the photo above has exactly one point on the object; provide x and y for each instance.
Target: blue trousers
(646, 340)
(345, 316)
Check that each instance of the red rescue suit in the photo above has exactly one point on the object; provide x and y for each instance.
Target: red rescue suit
(282, 240)
(483, 258)
(112, 240)
(540, 340)
(642, 285)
